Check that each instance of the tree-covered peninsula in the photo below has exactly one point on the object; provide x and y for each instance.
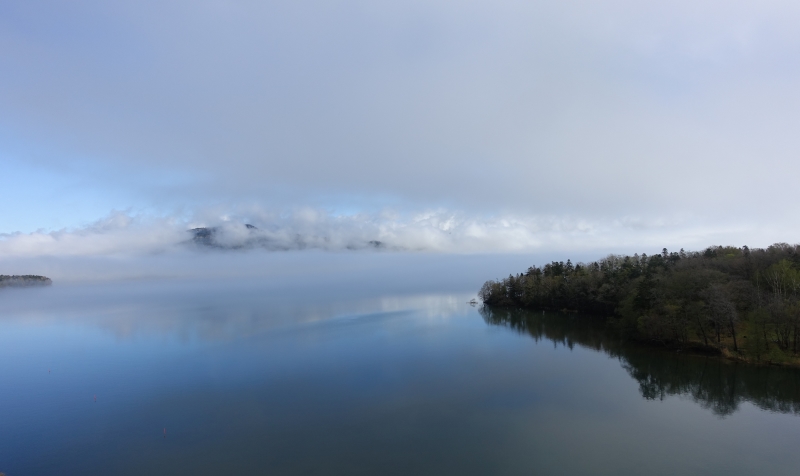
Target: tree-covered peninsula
(23, 280)
(741, 302)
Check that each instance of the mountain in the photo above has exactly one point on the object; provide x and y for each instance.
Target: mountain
(218, 237)
(234, 237)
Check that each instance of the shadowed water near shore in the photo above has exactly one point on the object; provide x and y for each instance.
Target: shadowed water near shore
(714, 383)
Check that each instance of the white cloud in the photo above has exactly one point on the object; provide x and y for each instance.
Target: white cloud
(118, 233)
(128, 234)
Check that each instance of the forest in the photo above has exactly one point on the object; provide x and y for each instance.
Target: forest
(741, 302)
(24, 280)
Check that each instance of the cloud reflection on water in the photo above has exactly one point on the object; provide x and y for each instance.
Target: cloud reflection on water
(206, 310)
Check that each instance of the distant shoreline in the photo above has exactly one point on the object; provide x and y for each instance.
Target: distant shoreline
(25, 280)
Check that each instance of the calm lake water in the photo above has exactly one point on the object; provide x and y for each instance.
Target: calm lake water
(208, 378)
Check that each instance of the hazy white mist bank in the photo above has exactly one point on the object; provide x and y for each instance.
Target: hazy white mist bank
(307, 247)
(122, 234)
(314, 270)
(220, 309)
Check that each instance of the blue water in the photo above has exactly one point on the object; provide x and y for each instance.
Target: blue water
(242, 378)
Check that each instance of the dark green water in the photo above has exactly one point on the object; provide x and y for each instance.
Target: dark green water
(247, 380)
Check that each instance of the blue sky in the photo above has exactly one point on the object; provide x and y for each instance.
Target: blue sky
(514, 124)
(48, 198)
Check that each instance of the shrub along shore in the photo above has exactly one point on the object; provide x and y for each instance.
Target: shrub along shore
(743, 303)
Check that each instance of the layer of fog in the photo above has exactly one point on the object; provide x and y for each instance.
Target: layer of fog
(217, 294)
(128, 234)
(218, 309)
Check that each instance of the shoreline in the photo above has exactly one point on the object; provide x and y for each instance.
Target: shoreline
(23, 281)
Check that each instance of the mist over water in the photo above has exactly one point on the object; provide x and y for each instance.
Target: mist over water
(315, 271)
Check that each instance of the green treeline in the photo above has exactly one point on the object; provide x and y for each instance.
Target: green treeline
(24, 280)
(741, 301)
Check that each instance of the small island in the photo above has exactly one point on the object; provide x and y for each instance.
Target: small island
(24, 280)
(739, 302)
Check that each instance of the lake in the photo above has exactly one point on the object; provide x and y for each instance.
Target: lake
(235, 377)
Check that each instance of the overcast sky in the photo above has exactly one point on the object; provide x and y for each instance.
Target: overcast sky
(453, 125)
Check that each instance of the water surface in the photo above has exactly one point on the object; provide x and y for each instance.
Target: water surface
(181, 377)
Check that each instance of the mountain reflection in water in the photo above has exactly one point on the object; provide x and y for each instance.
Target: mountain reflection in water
(714, 383)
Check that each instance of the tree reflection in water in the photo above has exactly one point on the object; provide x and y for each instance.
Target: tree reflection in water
(714, 383)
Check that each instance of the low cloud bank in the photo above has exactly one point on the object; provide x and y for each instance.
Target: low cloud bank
(315, 249)
(118, 233)
(124, 233)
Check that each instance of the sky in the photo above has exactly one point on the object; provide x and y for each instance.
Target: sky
(547, 127)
